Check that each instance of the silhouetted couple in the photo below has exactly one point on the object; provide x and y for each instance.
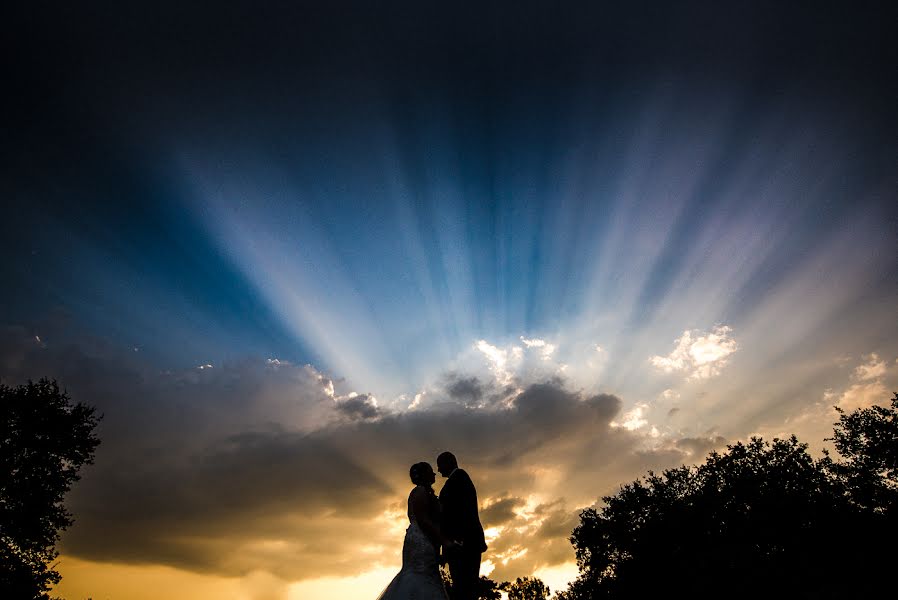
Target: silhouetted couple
(450, 523)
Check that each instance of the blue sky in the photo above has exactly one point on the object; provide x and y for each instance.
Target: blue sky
(383, 252)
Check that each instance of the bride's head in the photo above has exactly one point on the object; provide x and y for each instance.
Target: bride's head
(422, 474)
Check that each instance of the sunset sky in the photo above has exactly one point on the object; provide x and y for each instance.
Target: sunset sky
(290, 250)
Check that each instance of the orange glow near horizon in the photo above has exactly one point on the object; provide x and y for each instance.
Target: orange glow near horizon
(101, 581)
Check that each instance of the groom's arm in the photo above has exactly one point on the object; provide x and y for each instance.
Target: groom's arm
(452, 501)
(473, 527)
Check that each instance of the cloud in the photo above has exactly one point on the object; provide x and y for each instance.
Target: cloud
(701, 355)
(868, 388)
(545, 349)
(669, 394)
(872, 369)
(261, 466)
(632, 419)
(868, 384)
(359, 406)
(511, 364)
(465, 389)
(698, 447)
(863, 395)
(500, 511)
(536, 537)
(498, 359)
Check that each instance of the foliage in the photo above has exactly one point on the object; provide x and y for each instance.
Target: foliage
(867, 440)
(759, 518)
(487, 589)
(44, 442)
(526, 588)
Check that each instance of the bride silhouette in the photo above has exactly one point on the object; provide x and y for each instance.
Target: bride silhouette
(419, 578)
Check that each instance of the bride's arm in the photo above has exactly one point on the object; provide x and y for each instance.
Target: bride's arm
(421, 509)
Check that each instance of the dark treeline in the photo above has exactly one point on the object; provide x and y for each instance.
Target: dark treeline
(760, 520)
(45, 440)
(522, 588)
(763, 519)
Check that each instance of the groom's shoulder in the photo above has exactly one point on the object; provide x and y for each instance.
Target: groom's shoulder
(463, 476)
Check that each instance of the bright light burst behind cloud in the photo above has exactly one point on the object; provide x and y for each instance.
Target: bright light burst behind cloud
(686, 240)
(699, 355)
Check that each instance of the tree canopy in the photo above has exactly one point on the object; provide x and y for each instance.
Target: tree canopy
(44, 442)
(761, 518)
(523, 588)
(867, 440)
(526, 588)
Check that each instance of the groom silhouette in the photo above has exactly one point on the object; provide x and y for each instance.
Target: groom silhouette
(461, 524)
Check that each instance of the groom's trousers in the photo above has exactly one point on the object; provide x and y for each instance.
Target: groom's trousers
(464, 568)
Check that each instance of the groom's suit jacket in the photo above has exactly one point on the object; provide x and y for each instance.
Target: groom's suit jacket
(459, 519)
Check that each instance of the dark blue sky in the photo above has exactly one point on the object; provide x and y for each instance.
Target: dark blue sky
(441, 174)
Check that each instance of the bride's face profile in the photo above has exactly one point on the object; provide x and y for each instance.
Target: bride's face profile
(423, 474)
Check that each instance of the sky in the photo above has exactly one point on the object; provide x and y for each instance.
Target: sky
(289, 250)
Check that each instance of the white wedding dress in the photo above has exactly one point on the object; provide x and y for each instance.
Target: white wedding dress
(419, 578)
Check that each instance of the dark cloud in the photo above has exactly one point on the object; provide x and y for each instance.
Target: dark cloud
(543, 532)
(557, 520)
(500, 511)
(361, 407)
(250, 486)
(465, 389)
(253, 464)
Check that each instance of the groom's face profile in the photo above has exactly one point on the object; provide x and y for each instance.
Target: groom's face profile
(446, 464)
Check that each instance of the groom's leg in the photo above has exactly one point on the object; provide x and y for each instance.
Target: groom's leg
(464, 569)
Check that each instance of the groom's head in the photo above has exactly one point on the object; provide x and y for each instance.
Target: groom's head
(446, 463)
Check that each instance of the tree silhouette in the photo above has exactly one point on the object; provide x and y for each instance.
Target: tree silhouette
(759, 519)
(526, 588)
(487, 589)
(867, 440)
(44, 442)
